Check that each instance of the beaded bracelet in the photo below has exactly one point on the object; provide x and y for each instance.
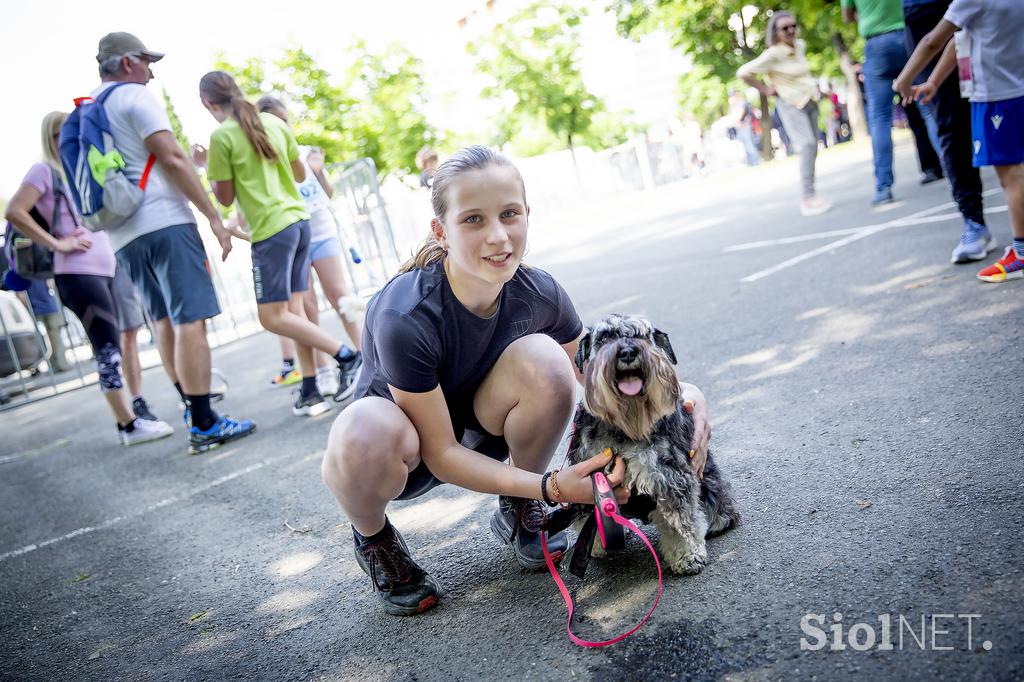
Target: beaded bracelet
(544, 490)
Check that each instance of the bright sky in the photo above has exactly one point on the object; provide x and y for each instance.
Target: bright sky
(48, 50)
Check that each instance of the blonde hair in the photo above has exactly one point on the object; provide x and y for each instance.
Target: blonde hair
(52, 123)
(218, 87)
(474, 157)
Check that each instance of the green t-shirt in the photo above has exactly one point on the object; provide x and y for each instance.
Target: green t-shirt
(265, 189)
(877, 16)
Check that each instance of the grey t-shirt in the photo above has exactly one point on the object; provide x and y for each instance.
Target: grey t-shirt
(996, 28)
(419, 335)
(134, 115)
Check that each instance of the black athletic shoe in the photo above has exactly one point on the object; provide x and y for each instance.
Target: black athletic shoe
(142, 411)
(350, 371)
(519, 522)
(403, 588)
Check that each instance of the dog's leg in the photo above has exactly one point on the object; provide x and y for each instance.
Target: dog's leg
(717, 500)
(683, 528)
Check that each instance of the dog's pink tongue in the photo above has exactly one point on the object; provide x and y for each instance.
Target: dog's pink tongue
(631, 386)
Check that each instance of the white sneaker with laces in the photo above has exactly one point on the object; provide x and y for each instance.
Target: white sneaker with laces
(145, 431)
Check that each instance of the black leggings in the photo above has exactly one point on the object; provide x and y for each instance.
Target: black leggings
(91, 298)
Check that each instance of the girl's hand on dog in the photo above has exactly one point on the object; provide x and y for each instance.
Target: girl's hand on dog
(575, 484)
(696, 406)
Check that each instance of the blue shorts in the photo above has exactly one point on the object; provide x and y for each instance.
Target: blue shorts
(280, 264)
(997, 132)
(325, 248)
(170, 270)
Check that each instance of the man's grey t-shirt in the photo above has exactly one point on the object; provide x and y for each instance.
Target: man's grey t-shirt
(419, 335)
(134, 115)
(996, 28)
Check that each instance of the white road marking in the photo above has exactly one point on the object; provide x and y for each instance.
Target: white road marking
(916, 218)
(153, 507)
(901, 222)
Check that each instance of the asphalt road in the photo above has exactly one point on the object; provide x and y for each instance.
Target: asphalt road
(866, 404)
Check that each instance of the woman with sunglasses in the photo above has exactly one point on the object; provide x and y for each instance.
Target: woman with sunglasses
(785, 65)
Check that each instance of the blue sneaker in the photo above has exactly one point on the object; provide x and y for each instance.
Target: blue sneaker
(975, 243)
(882, 196)
(226, 429)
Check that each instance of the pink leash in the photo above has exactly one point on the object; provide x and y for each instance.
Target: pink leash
(611, 511)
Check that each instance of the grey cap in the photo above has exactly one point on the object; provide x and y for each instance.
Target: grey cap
(120, 43)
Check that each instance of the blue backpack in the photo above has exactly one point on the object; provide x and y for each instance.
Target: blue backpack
(104, 194)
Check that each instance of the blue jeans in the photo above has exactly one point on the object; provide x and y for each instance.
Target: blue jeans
(885, 55)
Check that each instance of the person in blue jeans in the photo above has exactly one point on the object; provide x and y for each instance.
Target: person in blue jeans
(885, 54)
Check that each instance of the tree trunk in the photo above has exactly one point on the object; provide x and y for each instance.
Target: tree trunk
(766, 129)
(854, 101)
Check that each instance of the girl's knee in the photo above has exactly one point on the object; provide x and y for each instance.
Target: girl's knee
(364, 441)
(547, 368)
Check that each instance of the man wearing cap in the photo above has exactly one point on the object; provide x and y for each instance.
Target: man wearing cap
(159, 245)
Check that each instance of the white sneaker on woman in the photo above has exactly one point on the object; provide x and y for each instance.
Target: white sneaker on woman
(814, 206)
(145, 431)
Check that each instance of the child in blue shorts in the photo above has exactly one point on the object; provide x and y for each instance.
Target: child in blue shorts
(991, 68)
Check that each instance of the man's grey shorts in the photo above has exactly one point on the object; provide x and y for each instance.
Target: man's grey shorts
(280, 264)
(126, 299)
(170, 269)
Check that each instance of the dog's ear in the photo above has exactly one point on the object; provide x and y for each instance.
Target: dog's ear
(583, 353)
(662, 342)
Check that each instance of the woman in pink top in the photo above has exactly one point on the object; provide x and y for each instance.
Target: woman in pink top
(83, 266)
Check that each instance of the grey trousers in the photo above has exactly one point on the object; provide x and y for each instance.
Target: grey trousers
(802, 127)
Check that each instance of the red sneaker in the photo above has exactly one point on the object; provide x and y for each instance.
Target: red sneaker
(1010, 266)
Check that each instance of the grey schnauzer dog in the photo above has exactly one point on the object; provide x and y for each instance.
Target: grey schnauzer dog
(632, 405)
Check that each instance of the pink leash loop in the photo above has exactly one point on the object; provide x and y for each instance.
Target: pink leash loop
(568, 598)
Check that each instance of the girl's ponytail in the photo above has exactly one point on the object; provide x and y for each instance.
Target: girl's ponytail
(218, 87)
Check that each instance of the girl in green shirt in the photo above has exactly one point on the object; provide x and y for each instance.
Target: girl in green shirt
(254, 158)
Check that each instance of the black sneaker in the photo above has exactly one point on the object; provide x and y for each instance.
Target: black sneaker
(310, 406)
(519, 522)
(350, 370)
(142, 411)
(403, 588)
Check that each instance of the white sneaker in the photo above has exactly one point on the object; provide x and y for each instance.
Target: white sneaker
(146, 431)
(814, 206)
(327, 380)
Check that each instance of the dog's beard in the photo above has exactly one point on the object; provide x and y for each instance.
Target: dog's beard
(634, 415)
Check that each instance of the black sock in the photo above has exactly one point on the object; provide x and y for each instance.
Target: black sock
(288, 364)
(344, 354)
(203, 416)
(181, 391)
(308, 388)
(127, 428)
(362, 540)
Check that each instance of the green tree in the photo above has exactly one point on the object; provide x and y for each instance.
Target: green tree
(721, 35)
(176, 127)
(374, 108)
(532, 61)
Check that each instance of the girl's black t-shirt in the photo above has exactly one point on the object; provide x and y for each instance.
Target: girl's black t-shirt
(418, 335)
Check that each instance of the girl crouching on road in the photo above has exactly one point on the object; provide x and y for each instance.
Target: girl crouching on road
(468, 361)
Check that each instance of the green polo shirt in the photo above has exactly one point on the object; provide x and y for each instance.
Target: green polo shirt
(265, 189)
(877, 16)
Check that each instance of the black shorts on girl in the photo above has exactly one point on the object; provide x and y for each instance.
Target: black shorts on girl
(418, 336)
(280, 264)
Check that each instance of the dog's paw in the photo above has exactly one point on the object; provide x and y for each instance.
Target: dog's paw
(690, 565)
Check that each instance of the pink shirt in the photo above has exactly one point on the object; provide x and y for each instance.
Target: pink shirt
(99, 259)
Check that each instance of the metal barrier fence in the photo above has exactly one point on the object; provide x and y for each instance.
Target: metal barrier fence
(31, 346)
